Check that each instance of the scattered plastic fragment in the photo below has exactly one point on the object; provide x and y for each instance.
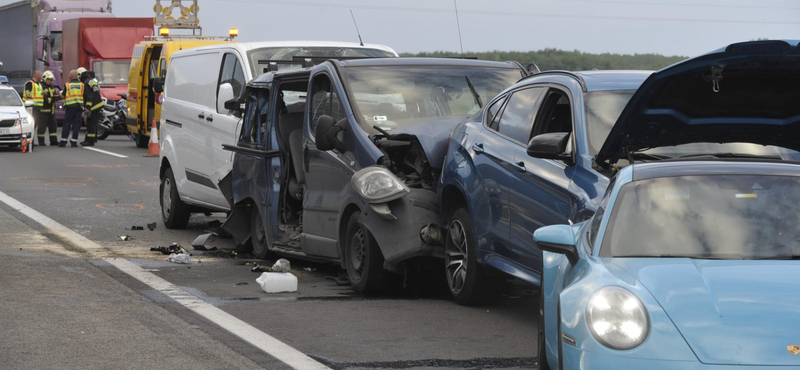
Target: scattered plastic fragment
(199, 243)
(242, 283)
(125, 238)
(216, 228)
(180, 258)
(277, 282)
(152, 226)
(172, 249)
(258, 268)
(309, 269)
(137, 228)
(340, 280)
(281, 265)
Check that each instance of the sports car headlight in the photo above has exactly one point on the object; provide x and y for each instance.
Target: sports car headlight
(617, 318)
(378, 185)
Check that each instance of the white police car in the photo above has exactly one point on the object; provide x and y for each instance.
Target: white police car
(15, 118)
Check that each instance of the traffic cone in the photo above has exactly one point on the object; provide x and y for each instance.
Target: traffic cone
(153, 150)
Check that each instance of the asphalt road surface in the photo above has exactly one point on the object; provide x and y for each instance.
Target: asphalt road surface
(75, 296)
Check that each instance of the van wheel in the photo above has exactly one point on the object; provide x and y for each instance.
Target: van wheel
(174, 212)
(142, 141)
(468, 281)
(363, 259)
(258, 234)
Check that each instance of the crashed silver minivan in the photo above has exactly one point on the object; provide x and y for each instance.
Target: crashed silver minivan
(339, 162)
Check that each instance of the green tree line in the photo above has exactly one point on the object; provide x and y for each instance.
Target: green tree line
(550, 59)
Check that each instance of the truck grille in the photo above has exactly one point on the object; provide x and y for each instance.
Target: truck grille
(7, 123)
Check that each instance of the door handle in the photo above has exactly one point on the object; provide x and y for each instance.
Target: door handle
(478, 148)
(520, 166)
(210, 118)
(201, 116)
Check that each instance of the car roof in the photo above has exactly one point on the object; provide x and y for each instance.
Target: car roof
(6, 87)
(595, 80)
(247, 46)
(450, 62)
(757, 167)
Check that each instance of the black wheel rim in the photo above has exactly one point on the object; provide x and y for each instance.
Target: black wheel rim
(455, 257)
(358, 248)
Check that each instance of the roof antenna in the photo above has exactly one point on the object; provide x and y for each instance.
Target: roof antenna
(458, 23)
(357, 31)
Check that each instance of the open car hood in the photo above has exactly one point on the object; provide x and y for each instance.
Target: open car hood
(744, 93)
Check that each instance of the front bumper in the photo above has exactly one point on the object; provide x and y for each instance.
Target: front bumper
(14, 139)
(576, 359)
(399, 238)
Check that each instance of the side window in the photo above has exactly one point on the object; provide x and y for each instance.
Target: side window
(163, 68)
(555, 114)
(232, 73)
(493, 113)
(518, 115)
(324, 101)
(597, 219)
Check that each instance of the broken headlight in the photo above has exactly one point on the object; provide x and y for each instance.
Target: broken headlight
(378, 185)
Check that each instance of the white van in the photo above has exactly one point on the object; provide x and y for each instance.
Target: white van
(195, 123)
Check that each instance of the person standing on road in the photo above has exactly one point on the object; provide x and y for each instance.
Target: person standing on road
(33, 92)
(93, 102)
(74, 105)
(47, 114)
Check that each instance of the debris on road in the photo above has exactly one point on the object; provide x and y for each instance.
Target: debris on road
(281, 265)
(215, 227)
(125, 238)
(152, 226)
(172, 249)
(309, 269)
(137, 228)
(199, 243)
(180, 258)
(240, 284)
(277, 282)
(341, 280)
(257, 268)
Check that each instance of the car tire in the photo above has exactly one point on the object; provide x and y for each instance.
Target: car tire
(142, 141)
(174, 212)
(258, 234)
(363, 259)
(468, 281)
(541, 357)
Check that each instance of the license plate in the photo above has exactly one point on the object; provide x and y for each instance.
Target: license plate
(5, 131)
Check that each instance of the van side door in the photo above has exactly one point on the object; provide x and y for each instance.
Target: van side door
(327, 173)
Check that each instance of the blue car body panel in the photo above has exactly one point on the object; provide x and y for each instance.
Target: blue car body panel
(509, 193)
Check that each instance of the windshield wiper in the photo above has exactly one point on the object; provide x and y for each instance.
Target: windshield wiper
(474, 92)
(730, 155)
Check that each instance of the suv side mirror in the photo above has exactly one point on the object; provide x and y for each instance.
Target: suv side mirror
(327, 133)
(224, 95)
(29, 103)
(550, 146)
(158, 85)
(557, 239)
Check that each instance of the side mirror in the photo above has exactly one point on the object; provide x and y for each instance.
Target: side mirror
(224, 95)
(551, 146)
(557, 239)
(158, 85)
(327, 133)
(234, 107)
(40, 48)
(29, 103)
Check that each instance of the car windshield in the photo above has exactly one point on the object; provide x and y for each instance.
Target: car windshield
(603, 108)
(717, 217)
(260, 58)
(9, 98)
(393, 97)
(112, 72)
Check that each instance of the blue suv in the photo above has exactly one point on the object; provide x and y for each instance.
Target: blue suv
(498, 185)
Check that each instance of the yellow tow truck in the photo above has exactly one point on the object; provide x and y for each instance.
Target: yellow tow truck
(150, 60)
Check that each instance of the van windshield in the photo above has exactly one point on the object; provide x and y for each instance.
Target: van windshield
(394, 97)
(260, 58)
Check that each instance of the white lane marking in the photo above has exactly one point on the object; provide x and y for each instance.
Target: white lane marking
(263, 341)
(105, 152)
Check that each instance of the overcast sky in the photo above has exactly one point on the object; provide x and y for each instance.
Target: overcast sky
(670, 27)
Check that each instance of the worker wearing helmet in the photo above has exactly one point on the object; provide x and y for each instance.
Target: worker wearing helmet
(93, 102)
(50, 95)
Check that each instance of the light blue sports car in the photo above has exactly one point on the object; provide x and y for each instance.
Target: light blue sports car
(691, 262)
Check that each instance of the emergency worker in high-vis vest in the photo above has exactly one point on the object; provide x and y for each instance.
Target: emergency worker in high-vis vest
(51, 95)
(93, 103)
(73, 103)
(33, 92)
